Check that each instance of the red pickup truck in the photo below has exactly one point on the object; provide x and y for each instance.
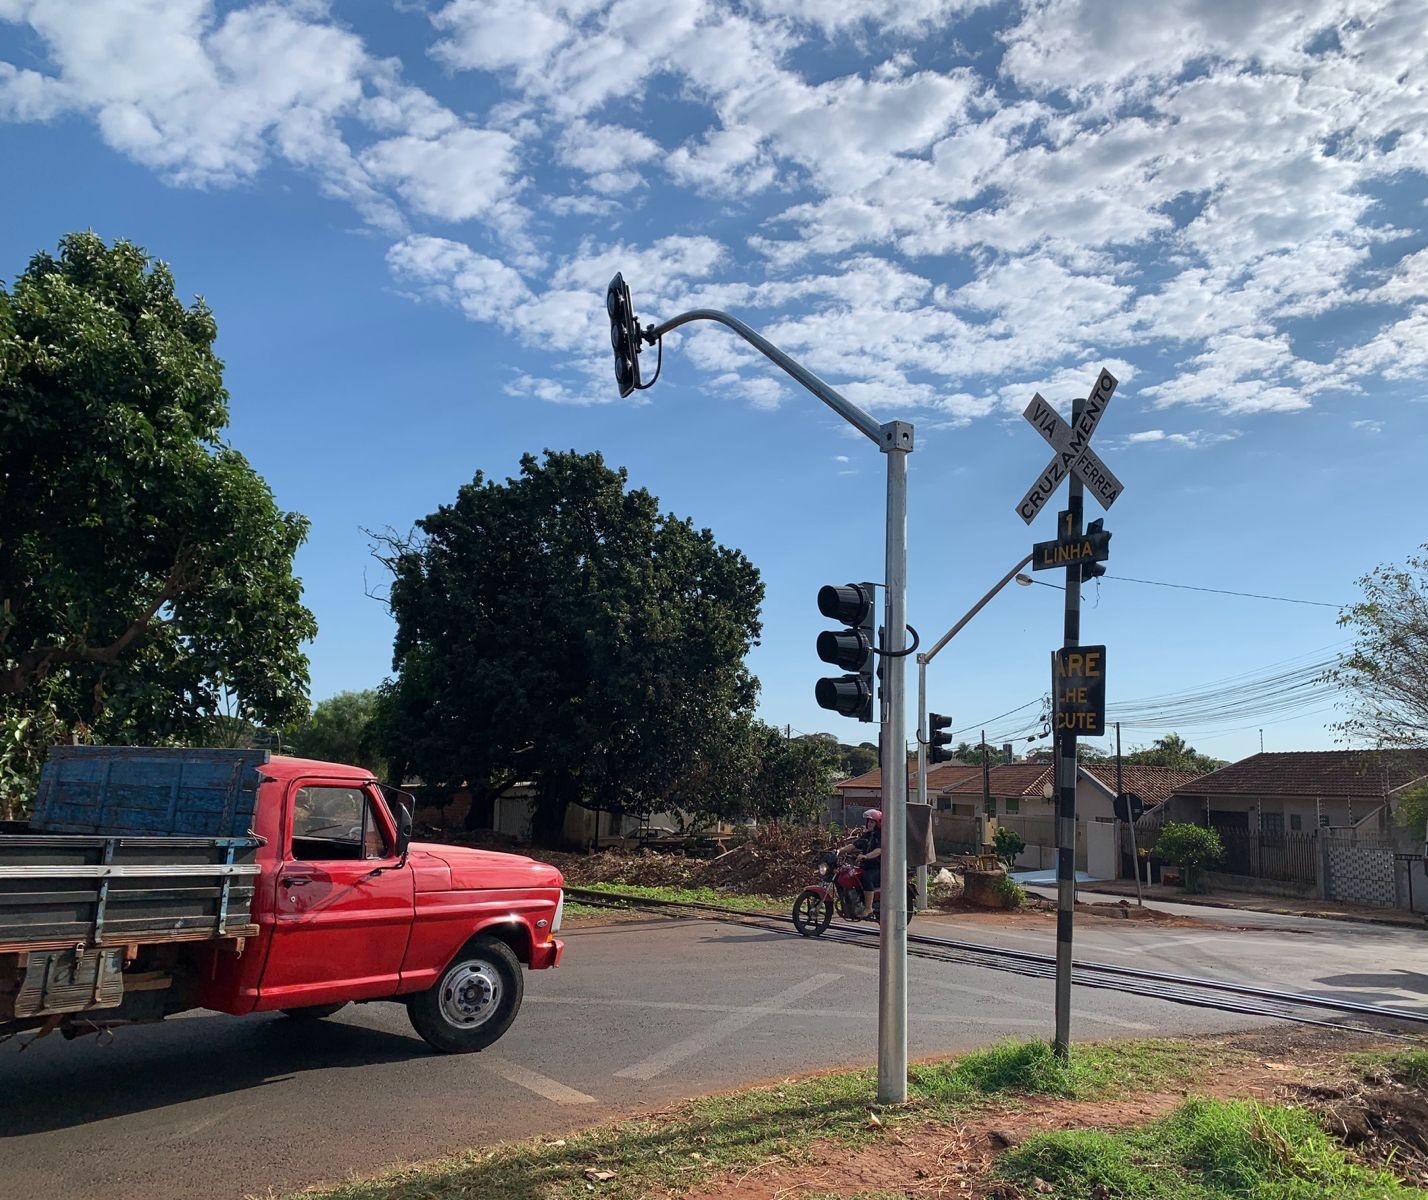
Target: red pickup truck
(155, 880)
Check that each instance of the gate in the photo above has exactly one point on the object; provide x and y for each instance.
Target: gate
(1358, 871)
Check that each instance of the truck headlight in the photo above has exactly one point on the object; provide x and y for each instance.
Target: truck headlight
(559, 913)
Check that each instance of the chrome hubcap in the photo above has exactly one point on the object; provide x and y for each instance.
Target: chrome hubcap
(470, 995)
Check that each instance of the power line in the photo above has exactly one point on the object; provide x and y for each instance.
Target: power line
(1188, 587)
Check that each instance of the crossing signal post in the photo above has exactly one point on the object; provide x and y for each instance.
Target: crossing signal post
(851, 648)
(938, 739)
(1078, 672)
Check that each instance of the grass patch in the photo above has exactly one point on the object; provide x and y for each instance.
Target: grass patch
(721, 1133)
(1032, 1068)
(1205, 1150)
(1408, 1067)
(692, 895)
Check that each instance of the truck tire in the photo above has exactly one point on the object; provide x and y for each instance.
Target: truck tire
(314, 1012)
(473, 1002)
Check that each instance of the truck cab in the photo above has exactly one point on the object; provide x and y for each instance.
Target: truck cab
(344, 907)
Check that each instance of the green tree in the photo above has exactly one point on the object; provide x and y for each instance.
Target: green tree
(558, 628)
(1174, 751)
(146, 584)
(793, 777)
(342, 729)
(1410, 809)
(856, 760)
(1386, 673)
(1008, 845)
(1192, 848)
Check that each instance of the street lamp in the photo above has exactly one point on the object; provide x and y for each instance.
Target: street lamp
(922, 735)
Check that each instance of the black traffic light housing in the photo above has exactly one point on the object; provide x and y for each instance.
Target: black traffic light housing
(851, 648)
(624, 334)
(937, 740)
(1100, 539)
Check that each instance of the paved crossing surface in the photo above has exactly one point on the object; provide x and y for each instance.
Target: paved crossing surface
(640, 1014)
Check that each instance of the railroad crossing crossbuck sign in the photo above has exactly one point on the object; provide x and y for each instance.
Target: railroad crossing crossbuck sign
(1073, 450)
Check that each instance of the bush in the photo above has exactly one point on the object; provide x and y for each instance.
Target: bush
(1008, 844)
(1011, 893)
(1192, 848)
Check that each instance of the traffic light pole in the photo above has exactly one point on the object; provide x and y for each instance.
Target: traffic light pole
(892, 940)
(923, 733)
(895, 440)
(1066, 783)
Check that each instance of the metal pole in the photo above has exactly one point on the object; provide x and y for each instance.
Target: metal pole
(839, 403)
(1066, 784)
(986, 779)
(892, 940)
(1130, 818)
(922, 736)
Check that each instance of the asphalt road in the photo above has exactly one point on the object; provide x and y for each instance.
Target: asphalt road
(640, 1014)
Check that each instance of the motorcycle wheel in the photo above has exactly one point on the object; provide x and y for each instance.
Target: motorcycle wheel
(812, 914)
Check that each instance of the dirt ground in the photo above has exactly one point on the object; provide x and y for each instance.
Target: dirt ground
(1383, 1122)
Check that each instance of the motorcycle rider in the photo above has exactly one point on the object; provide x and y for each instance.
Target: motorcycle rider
(869, 845)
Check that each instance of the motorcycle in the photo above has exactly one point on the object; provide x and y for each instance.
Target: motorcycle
(840, 887)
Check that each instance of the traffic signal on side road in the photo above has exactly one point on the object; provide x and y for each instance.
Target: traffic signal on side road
(624, 334)
(850, 648)
(937, 739)
(1100, 540)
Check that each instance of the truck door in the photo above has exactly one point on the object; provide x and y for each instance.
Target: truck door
(344, 902)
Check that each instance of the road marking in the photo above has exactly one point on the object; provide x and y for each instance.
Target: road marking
(1002, 998)
(841, 1014)
(705, 1039)
(533, 1081)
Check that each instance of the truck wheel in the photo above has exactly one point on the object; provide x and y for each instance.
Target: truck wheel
(474, 1001)
(314, 1012)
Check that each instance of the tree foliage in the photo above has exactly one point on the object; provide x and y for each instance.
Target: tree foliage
(1410, 808)
(1008, 845)
(557, 628)
(1192, 848)
(1173, 751)
(146, 581)
(342, 729)
(1386, 673)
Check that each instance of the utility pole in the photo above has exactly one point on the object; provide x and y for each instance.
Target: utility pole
(1130, 818)
(986, 778)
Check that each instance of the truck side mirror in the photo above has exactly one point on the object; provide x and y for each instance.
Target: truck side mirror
(402, 811)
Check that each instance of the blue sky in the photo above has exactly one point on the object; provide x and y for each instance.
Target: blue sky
(404, 216)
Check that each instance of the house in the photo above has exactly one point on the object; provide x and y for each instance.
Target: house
(1299, 791)
(1029, 790)
(861, 792)
(1022, 796)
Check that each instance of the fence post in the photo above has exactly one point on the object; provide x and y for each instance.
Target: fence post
(1321, 864)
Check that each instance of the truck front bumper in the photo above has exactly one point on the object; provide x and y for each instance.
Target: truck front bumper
(547, 954)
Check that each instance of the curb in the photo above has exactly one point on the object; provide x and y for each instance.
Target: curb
(1406, 922)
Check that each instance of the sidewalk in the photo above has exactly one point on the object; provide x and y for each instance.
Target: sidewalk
(1247, 902)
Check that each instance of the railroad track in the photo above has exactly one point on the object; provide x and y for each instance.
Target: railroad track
(1223, 995)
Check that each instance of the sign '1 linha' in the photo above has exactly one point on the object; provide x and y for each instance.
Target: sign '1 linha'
(1078, 690)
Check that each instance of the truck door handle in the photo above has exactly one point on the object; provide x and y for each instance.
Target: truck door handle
(292, 881)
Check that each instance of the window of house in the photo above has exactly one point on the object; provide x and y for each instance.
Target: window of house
(1272, 824)
(1013, 806)
(989, 806)
(336, 823)
(1296, 823)
(963, 810)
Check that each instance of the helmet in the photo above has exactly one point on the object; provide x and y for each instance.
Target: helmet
(874, 816)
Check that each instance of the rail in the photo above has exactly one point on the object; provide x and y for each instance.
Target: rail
(1194, 991)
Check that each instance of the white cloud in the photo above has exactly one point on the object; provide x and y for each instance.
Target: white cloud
(1189, 188)
(458, 175)
(1367, 426)
(1196, 439)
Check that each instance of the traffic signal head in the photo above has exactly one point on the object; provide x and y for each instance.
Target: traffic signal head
(1098, 536)
(937, 738)
(850, 648)
(624, 334)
